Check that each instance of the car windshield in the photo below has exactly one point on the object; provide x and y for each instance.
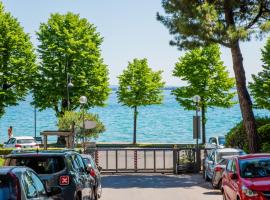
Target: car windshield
(221, 141)
(41, 165)
(255, 168)
(7, 189)
(25, 141)
(220, 155)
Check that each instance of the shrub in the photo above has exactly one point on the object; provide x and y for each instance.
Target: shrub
(237, 136)
(2, 162)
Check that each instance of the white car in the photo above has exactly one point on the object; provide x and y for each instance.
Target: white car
(214, 157)
(215, 142)
(21, 142)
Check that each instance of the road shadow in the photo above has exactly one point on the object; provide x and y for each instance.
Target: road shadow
(154, 181)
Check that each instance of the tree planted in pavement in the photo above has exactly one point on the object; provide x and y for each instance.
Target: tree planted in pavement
(69, 49)
(206, 76)
(139, 85)
(17, 61)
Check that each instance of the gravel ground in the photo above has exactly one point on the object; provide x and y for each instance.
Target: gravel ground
(157, 187)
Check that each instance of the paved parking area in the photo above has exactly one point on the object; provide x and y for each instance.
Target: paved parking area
(157, 187)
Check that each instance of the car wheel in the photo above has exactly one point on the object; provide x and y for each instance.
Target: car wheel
(206, 178)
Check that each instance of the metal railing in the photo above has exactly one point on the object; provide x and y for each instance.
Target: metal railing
(148, 160)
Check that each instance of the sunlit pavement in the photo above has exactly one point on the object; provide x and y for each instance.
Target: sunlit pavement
(157, 187)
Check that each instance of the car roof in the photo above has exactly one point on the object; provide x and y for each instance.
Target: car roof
(257, 155)
(7, 169)
(229, 150)
(23, 137)
(27, 153)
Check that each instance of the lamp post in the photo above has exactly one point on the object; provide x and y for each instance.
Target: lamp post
(69, 85)
(196, 129)
(83, 101)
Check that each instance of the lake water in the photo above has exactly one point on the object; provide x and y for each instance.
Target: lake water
(165, 123)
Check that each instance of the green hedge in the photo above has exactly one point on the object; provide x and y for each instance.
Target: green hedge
(237, 136)
(1, 162)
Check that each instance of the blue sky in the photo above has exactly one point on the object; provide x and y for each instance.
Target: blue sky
(130, 30)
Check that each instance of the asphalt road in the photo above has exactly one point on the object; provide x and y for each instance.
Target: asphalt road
(157, 187)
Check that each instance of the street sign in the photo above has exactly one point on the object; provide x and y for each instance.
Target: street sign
(196, 127)
(89, 124)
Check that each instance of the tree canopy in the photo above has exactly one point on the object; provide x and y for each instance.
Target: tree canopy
(70, 47)
(206, 76)
(17, 61)
(139, 85)
(260, 87)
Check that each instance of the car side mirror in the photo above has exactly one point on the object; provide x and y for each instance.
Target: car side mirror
(54, 191)
(232, 175)
(99, 168)
(210, 162)
(89, 168)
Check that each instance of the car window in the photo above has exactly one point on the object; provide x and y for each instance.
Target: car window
(25, 141)
(229, 165)
(41, 165)
(89, 160)
(7, 188)
(255, 167)
(29, 187)
(38, 184)
(75, 163)
(80, 162)
(214, 140)
(233, 166)
(12, 141)
(221, 141)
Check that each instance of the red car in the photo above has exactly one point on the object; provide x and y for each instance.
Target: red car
(247, 177)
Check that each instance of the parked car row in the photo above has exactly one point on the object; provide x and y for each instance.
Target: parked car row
(239, 176)
(61, 175)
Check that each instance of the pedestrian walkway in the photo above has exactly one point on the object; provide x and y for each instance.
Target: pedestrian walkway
(157, 187)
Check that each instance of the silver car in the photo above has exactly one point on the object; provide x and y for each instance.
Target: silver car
(214, 157)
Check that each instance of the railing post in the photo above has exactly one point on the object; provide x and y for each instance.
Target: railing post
(107, 160)
(175, 159)
(164, 160)
(126, 159)
(154, 160)
(116, 160)
(96, 157)
(135, 160)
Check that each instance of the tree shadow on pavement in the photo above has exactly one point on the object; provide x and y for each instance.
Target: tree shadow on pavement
(154, 181)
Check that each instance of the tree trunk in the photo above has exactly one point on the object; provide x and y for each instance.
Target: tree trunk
(203, 124)
(135, 125)
(239, 72)
(244, 98)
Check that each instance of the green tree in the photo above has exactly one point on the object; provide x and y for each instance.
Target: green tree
(139, 86)
(70, 117)
(260, 88)
(227, 22)
(207, 77)
(70, 46)
(17, 61)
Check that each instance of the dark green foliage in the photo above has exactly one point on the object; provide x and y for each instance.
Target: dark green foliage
(236, 137)
(206, 76)
(17, 61)
(139, 86)
(197, 23)
(65, 123)
(70, 45)
(260, 88)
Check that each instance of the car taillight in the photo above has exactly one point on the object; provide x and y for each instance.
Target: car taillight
(218, 169)
(92, 173)
(64, 180)
(16, 186)
(18, 145)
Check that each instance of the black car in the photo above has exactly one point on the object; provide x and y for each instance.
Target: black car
(95, 173)
(65, 169)
(22, 183)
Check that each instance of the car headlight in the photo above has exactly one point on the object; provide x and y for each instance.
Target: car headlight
(248, 192)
